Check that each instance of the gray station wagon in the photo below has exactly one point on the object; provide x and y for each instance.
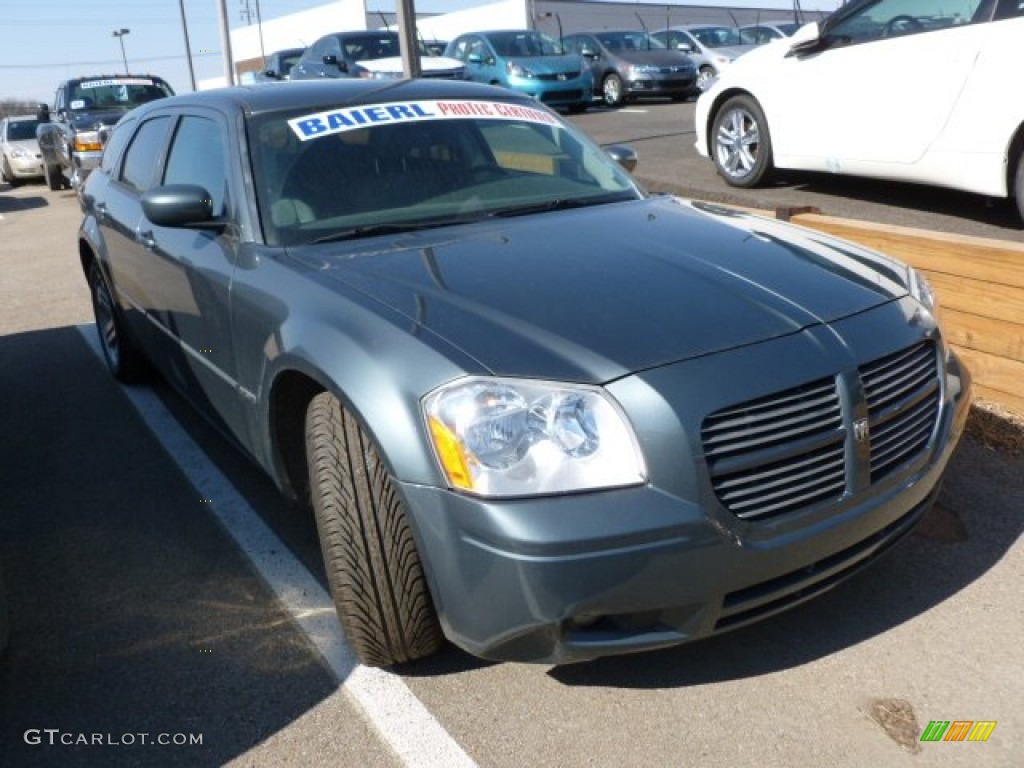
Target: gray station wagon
(534, 409)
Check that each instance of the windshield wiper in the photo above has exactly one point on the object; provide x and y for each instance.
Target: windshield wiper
(562, 204)
(371, 229)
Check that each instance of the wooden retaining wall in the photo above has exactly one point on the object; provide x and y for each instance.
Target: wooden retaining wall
(980, 288)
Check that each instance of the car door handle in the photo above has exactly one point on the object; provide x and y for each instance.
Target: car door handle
(101, 210)
(146, 239)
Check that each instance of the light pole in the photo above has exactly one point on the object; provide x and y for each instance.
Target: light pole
(119, 34)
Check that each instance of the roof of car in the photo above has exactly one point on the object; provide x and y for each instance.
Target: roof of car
(260, 97)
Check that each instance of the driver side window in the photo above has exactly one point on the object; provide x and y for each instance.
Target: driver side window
(896, 18)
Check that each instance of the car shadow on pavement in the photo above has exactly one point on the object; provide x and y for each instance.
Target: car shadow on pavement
(10, 203)
(975, 522)
(131, 611)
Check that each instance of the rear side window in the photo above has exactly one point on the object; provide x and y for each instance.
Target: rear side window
(144, 153)
(197, 157)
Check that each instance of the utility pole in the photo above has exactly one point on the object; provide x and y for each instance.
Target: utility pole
(188, 47)
(225, 41)
(407, 38)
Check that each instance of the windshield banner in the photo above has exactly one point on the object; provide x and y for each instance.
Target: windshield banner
(353, 118)
(116, 81)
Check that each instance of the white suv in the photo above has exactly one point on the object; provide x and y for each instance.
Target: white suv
(874, 91)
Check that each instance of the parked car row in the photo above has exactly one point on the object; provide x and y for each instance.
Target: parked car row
(612, 65)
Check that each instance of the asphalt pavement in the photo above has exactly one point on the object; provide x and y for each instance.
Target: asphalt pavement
(136, 611)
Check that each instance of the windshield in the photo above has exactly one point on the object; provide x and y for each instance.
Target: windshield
(20, 130)
(629, 41)
(382, 45)
(327, 175)
(523, 44)
(116, 92)
(717, 37)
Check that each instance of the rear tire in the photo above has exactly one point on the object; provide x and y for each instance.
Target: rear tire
(123, 359)
(373, 566)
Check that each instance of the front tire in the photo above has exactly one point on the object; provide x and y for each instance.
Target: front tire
(1018, 186)
(740, 143)
(373, 566)
(124, 361)
(612, 91)
(54, 178)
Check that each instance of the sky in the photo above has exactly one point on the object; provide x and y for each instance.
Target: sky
(45, 41)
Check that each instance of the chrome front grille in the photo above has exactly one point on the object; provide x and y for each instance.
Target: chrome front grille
(788, 451)
(903, 397)
(779, 453)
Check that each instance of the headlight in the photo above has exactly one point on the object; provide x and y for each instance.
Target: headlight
(88, 141)
(517, 70)
(21, 153)
(515, 437)
(922, 290)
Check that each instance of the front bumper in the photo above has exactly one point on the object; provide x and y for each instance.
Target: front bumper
(655, 85)
(26, 167)
(555, 93)
(571, 578)
(82, 164)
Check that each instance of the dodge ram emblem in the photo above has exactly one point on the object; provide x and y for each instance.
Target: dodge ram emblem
(861, 431)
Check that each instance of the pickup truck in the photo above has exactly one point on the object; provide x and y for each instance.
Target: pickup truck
(70, 133)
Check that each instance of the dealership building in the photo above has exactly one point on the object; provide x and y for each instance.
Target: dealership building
(252, 43)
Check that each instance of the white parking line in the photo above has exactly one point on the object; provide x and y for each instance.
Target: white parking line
(401, 719)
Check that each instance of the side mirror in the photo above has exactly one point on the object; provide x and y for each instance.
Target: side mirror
(330, 60)
(180, 205)
(623, 155)
(684, 47)
(590, 55)
(272, 74)
(43, 113)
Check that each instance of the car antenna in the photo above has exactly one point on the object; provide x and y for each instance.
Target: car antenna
(384, 19)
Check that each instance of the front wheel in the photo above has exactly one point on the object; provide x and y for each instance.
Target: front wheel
(740, 143)
(54, 178)
(373, 566)
(613, 91)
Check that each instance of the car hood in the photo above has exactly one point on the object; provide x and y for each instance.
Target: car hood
(548, 65)
(427, 64)
(732, 51)
(659, 57)
(94, 119)
(597, 293)
(30, 145)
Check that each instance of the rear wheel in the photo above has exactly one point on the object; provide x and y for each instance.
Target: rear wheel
(124, 361)
(373, 566)
(740, 143)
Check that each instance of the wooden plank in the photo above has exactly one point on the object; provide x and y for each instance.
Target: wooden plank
(996, 374)
(1013, 402)
(1000, 302)
(983, 333)
(981, 258)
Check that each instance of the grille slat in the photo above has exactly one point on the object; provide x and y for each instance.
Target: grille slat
(902, 392)
(778, 453)
(787, 451)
